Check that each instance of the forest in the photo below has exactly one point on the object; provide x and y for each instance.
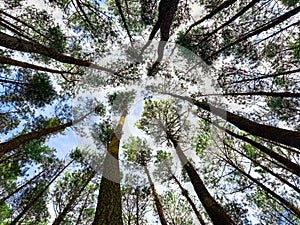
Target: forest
(141, 112)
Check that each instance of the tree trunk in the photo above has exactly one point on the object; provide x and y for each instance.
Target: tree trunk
(185, 193)
(284, 202)
(266, 169)
(13, 62)
(210, 15)
(81, 209)
(71, 202)
(21, 187)
(36, 197)
(156, 199)
(214, 210)
(16, 142)
(259, 30)
(268, 75)
(283, 136)
(291, 166)
(18, 44)
(109, 207)
(240, 13)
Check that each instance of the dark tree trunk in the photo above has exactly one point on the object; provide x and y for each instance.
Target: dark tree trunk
(259, 30)
(283, 136)
(18, 44)
(21, 187)
(36, 197)
(214, 210)
(240, 13)
(109, 206)
(156, 199)
(210, 15)
(185, 193)
(13, 62)
(16, 142)
(71, 202)
(284, 202)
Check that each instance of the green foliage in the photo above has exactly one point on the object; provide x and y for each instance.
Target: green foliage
(290, 3)
(5, 213)
(39, 90)
(270, 50)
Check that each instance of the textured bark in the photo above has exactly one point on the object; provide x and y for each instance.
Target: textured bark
(109, 207)
(283, 136)
(71, 202)
(16, 142)
(36, 197)
(18, 44)
(214, 210)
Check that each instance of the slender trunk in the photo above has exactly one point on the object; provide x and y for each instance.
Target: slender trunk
(293, 167)
(109, 207)
(266, 169)
(17, 83)
(283, 136)
(268, 75)
(36, 197)
(261, 93)
(21, 187)
(13, 62)
(71, 202)
(156, 199)
(210, 15)
(240, 13)
(118, 4)
(16, 142)
(284, 202)
(82, 208)
(259, 30)
(214, 210)
(185, 193)
(137, 208)
(18, 44)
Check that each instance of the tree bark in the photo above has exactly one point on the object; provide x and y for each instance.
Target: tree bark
(18, 44)
(16, 142)
(13, 62)
(214, 210)
(283, 136)
(109, 207)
